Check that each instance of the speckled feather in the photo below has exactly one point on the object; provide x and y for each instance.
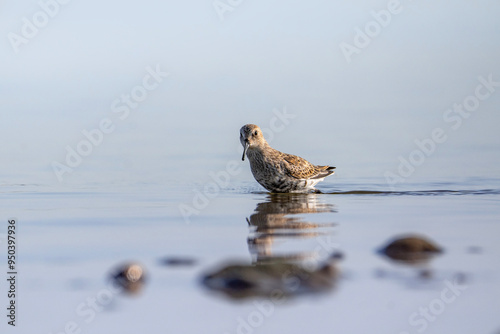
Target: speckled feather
(277, 171)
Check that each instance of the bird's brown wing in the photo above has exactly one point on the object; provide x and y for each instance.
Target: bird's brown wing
(300, 168)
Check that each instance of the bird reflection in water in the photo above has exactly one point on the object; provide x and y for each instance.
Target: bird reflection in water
(281, 219)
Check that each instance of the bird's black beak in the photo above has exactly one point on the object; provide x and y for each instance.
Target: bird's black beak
(245, 148)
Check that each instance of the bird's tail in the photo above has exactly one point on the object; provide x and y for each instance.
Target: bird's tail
(327, 170)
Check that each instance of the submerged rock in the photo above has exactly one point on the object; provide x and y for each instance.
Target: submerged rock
(130, 277)
(178, 261)
(411, 249)
(276, 279)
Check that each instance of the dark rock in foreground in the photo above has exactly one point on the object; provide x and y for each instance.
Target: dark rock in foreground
(411, 249)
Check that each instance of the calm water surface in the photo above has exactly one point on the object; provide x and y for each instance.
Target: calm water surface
(69, 239)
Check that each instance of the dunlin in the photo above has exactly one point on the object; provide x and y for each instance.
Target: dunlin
(276, 171)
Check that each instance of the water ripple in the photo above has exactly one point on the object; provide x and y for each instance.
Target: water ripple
(438, 192)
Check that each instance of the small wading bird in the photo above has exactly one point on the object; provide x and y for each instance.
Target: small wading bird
(276, 171)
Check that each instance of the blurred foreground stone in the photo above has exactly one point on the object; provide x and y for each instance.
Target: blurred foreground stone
(272, 280)
(411, 249)
(130, 277)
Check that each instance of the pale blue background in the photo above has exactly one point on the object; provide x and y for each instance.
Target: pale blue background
(360, 116)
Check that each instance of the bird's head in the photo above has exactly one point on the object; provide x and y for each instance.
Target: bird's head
(251, 137)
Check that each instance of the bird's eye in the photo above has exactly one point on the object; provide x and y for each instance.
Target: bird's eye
(256, 133)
